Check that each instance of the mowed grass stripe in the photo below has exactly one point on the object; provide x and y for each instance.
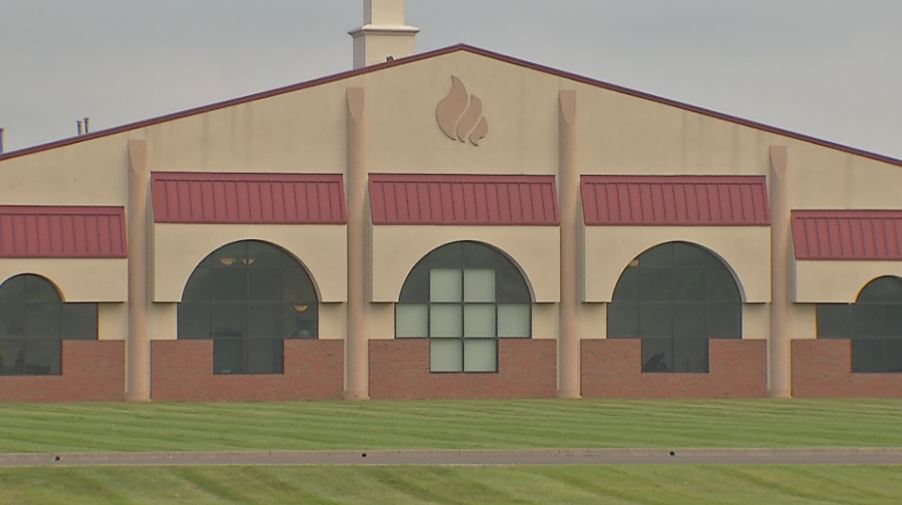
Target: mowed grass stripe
(449, 424)
(634, 484)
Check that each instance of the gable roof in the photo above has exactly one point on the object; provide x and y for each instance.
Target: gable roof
(441, 52)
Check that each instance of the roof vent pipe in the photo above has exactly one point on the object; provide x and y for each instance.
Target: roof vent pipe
(79, 126)
(384, 33)
(1, 140)
(87, 129)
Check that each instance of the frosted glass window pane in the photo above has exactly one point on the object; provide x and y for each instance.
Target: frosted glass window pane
(479, 356)
(444, 285)
(411, 321)
(513, 321)
(445, 356)
(479, 321)
(479, 285)
(445, 321)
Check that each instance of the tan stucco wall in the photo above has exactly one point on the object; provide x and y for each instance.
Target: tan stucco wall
(112, 321)
(837, 281)
(609, 249)
(395, 250)
(179, 248)
(78, 280)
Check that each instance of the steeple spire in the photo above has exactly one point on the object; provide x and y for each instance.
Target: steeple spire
(384, 35)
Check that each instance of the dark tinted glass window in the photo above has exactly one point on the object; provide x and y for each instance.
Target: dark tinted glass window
(675, 297)
(248, 297)
(873, 322)
(464, 296)
(34, 321)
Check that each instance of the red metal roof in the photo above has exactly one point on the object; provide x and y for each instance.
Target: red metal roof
(62, 232)
(847, 234)
(610, 200)
(232, 198)
(463, 199)
(440, 52)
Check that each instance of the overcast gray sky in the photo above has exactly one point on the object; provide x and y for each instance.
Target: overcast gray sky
(827, 68)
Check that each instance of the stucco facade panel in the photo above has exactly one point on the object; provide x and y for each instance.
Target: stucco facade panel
(179, 248)
(827, 281)
(302, 131)
(87, 173)
(112, 321)
(77, 280)
(609, 249)
(520, 106)
(395, 250)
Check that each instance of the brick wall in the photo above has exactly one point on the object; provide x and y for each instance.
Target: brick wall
(823, 368)
(182, 370)
(92, 370)
(612, 368)
(399, 369)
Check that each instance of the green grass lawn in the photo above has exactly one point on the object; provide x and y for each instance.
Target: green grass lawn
(448, 424)
(640, 484)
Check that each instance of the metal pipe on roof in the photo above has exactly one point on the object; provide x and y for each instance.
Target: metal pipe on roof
(87, 129)
(1, 140)
(79, 127)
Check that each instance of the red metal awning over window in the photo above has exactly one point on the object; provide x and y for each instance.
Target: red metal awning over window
(612, 200)
(847, 234)
(231, 198)
(472, 200)
(28, 231)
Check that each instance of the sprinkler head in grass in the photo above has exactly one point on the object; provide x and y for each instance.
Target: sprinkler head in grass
(363, 455)
(56, 458)
(673, 453)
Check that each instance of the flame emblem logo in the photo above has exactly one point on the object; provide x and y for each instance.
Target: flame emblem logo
(460, 116)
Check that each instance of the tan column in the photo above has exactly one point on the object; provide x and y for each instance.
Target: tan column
(779, 369)
(357, 340)
(138, 345)
(568, 187)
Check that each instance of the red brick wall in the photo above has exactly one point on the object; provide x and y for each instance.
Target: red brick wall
(182, 370)
(92, 370)
(399, 369)
(612, 368)
(823, 368)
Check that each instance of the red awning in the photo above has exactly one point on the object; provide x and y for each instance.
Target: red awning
(611, 200)
(62, 232)
(847, 234)
(230, 198)
(501, 200)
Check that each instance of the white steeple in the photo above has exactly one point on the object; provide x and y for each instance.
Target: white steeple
(384, 34)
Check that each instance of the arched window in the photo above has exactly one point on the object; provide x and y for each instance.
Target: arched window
(33, 323)
(873, 322)
(248, 297)
(675, 297)
(463, 297)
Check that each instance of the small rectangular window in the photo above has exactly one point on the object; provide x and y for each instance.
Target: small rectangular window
(867, 355)
(690, 355)
(264, 356)
(412, 321)
(445, 285)
(657, 355)
(479, 320)
(194, 320)
(228, 355)
(78, 321)
(833, 320)
(445, 355)
(480, 355)
(623, 320)
(479, 285)
(42, 357)
(445, 321)
(513, 321)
